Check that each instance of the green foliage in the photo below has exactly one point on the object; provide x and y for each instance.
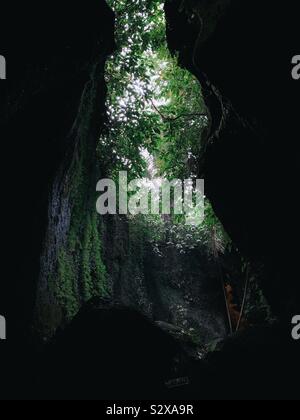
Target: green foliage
(152, 103)
(183, 121)
(93, 268)
(129, 74)
(66, 292)
(157, 107)
(81, 270)
(210, 235)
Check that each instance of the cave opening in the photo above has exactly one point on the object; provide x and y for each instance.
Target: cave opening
(144, 305)
(188, 278)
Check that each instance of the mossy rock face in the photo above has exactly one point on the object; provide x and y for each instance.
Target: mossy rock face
(73, 270)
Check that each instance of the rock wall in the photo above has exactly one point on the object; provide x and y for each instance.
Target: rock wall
(53, 93)
(241, 52)
(171, 286)
(72, 268)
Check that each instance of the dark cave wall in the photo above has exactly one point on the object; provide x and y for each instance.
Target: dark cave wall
(55, 59)
(241, 52)
(72, 268)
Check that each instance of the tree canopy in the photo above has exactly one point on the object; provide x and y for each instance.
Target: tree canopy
(155, 108)
(153, 104)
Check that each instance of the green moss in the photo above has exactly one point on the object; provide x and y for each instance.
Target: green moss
(79, 196)
(87, 281)
(66, 290)
(101, 286)
(93, 268)
(74, 269)
(81, 271)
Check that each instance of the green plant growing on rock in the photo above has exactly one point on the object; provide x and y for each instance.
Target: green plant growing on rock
(66, 293)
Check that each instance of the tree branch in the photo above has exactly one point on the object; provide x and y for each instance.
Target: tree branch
(245, 297)
(170, 119)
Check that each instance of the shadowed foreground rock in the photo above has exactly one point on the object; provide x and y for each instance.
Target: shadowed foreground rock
(112, 352)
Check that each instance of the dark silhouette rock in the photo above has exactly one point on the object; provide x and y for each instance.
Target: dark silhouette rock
(110, 352)
(51, 49)
(241, 52)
